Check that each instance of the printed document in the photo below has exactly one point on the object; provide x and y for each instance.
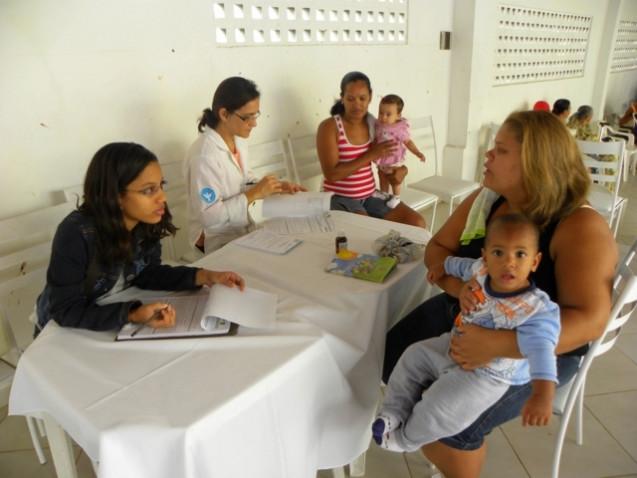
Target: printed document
(267, 241)
(209, 312)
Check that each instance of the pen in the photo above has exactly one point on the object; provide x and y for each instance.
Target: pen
(141, 325)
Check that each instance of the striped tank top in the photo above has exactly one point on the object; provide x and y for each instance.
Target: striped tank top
(360, 184)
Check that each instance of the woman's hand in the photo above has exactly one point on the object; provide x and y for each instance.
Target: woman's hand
(227, 278)
(436, 272)
(158, 315)
(382, 148)
(268, 186)
(291, 188)
(468, 349)
(470, 296)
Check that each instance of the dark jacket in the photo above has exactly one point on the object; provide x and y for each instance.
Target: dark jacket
(76, 279)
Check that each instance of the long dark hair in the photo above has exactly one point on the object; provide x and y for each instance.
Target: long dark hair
(111, 170)
(338, 108)
(560, 106)
(231, 94)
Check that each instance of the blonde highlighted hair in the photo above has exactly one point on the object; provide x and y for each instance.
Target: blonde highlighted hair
(554, 177)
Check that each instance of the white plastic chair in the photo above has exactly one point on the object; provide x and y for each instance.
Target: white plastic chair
(624, 304)
(307, 171)
(22, 278)
(630, 162)
(446, 188)
(606, 177)
(269, 158)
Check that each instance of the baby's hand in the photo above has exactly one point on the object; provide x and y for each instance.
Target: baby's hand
(421, 156)
(538, 408)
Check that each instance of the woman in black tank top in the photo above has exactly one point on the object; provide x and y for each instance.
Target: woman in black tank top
(536, 169)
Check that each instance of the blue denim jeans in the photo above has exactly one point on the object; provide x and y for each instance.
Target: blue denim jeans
(435, 317)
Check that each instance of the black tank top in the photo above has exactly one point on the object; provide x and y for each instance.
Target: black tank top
(544, 276)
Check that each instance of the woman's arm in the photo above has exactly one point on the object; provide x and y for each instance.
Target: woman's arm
(446, 242)
(327, 149)
(585, 256)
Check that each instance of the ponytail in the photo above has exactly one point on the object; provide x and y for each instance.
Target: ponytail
(209, 119)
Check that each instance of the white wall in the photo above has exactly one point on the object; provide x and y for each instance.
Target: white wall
(77, 74)
(622, 86)
(486, 103)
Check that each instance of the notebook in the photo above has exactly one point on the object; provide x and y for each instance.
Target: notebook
(209, 312)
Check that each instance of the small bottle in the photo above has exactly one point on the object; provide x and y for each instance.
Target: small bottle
(341, 242)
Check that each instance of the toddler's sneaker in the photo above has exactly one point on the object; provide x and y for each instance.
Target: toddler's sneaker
(384, 424)
(393, 201)
(381, 195)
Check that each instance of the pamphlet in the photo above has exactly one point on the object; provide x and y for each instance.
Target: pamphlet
(209, 312)
(362, 266)
(296, 205)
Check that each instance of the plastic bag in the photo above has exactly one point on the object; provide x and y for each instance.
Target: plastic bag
(394, 245)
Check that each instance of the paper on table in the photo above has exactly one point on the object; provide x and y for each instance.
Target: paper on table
(299, 225)
(250, 307)
(296, 205)
(205, 314)
(266, 241)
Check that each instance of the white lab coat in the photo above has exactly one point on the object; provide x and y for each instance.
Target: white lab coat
(215, 185)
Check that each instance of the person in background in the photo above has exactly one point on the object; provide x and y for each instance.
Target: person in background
(535, 169)
(562, 109)
(111, 242)
(541, 106)
(453, 398)
(580, 124)
(627, 120)
(391, 170)
(220, 184)
(346, 151)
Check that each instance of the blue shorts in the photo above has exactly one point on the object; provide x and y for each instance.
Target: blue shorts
(374, 207)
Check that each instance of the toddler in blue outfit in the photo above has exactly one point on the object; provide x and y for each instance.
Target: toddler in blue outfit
(454, 398)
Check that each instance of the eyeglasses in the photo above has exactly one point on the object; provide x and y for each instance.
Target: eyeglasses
(150, 191)
(247, 118)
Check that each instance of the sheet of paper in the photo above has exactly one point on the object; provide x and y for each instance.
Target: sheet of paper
(299, 225)
(249, 308)
(296, 205)
(189, 311)
(266, 241)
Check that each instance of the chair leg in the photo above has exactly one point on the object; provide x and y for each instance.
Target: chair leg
(580, 416)
(357, 467)
(433, 217)
(35, 439)
(559, 441)
(339, 472)
(450, 206)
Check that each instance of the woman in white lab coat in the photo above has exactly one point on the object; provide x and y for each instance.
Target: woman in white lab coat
(219, 182)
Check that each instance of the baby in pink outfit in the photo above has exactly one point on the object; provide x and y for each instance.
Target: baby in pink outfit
(392, 126)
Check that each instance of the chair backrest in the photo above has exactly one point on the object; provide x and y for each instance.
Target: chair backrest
(305, 163)
(270, 158)
(607, 131)
(423, 135)
(604, 161)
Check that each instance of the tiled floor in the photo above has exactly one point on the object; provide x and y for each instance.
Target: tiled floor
(610, 422)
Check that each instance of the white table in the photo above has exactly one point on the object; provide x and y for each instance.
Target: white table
(268, 403)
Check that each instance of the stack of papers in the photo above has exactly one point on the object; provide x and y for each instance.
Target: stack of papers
(299, 213)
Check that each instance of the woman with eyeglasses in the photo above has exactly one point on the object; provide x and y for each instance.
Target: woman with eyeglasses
(111, 242)
(219, 181)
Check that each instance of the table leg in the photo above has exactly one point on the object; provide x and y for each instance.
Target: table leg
(357, 467)
(61, 448)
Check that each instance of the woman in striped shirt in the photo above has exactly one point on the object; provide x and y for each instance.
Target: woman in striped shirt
(346, 151)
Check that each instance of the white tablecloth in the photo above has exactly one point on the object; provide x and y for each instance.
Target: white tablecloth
(268, 403)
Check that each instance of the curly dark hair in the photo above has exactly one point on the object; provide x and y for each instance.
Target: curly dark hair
(111, 170)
